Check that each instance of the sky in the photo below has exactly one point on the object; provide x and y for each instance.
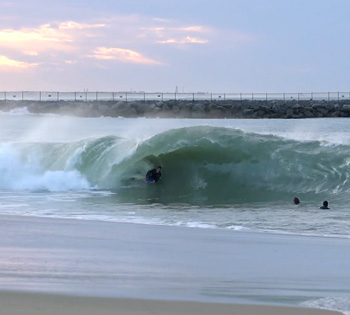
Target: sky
(215, 46)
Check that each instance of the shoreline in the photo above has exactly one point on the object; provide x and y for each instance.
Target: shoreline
(171, 226)
(99, 260)
(18, 303)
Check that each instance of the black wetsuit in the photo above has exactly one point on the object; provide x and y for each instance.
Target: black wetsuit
(152, 175)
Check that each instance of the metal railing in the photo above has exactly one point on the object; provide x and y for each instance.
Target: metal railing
(143, 96)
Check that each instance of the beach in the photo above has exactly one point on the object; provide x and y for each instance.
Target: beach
(41, 304)
(89, 267)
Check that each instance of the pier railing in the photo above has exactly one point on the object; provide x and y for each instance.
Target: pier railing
(143, 96)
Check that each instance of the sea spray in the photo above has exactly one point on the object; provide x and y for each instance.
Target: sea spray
(21, 169)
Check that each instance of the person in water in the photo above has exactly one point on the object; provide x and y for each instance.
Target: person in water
(154, 175)
(296, 201)
(325, 205)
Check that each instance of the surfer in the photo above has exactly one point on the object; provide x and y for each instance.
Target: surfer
(325, 205)
(296, 201)
(154, 175)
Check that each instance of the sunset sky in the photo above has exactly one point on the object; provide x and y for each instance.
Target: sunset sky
(191, 45)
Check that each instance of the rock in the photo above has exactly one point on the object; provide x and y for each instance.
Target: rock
(323, 111)
(346, 108)
(199, 108)
(308, 114)
(187, 108)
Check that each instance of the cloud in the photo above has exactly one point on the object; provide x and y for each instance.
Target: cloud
(30, 52)
(160, 19)
(120, 38)
(46, 37)
(10, 63)
(177, 34)
(194, 28)
(79, 26)
(186, 40)
(171, 32)
(70, 62)
(121, 54)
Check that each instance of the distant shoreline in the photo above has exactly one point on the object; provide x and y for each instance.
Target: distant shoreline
(285, 109)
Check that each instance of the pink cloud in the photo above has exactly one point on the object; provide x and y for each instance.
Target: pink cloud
(11, 63)
(45, 37)
(121, 54)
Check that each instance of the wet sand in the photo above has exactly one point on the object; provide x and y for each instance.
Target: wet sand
(16, 303)
(119, 268)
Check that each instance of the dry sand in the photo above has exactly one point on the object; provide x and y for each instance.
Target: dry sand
(17, 303)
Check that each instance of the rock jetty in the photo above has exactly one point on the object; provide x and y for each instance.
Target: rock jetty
(187, 109)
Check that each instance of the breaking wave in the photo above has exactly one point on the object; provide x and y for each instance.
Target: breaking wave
(201, 165)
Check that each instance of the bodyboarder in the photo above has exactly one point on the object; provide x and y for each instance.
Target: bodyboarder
(324, 205)
(154, 175)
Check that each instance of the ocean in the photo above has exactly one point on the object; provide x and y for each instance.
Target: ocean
(238, 175)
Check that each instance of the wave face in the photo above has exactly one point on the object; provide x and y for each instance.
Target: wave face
(201, 165)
